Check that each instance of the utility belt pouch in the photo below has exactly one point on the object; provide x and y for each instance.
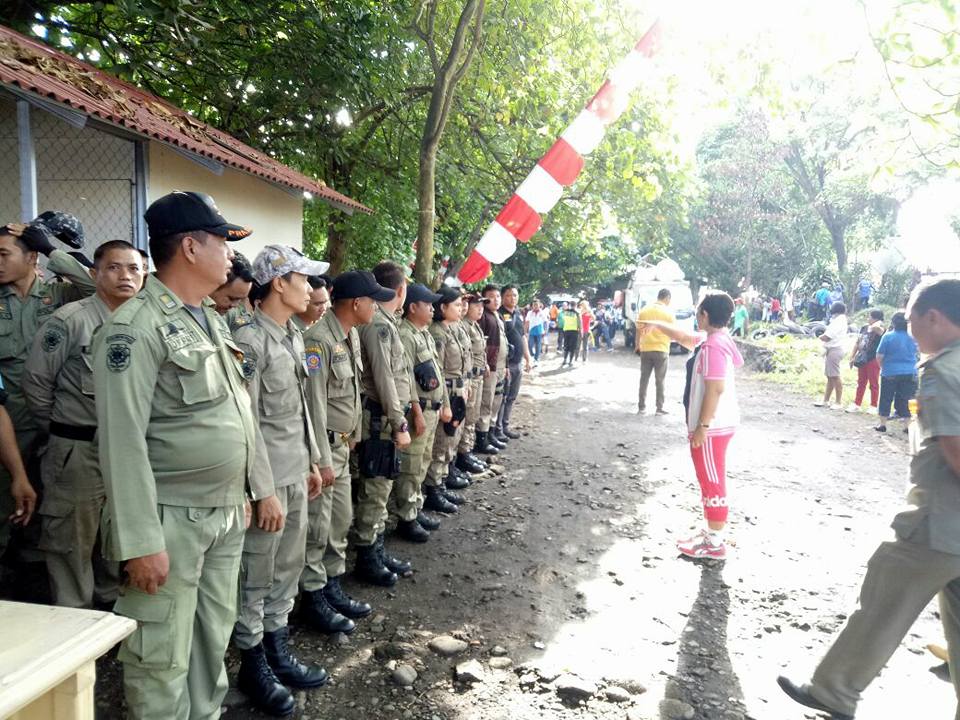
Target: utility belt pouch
(450, 428)
(379, 456)
(458, 407)
(425, 374)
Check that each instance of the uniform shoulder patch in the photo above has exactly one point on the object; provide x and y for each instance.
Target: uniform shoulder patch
(383, 332)
(249, 367)
(312, 359)
(118, 352)
(53, 335)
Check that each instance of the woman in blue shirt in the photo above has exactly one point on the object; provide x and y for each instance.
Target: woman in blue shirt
(897, 355)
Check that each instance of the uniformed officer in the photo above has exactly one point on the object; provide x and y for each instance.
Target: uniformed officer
(492, 327)
(319, 302)
(231, 298)
(446, 315)
(21, 492)
(26, 302)
(519, 352)
(334, 370)
(456, 477)
(176, 439)
(274, 367)
(407, 501)
(389, 397)
(58, 385)
(466, 460)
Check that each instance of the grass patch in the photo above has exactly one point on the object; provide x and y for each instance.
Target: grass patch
(798, 363)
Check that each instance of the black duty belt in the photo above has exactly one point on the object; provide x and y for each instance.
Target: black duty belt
(476, 372)
(376, 408)
(430, 404)
(73, 432)
(455, 383)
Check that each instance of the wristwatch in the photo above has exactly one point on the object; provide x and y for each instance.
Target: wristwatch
(404, 427)
(703, 425)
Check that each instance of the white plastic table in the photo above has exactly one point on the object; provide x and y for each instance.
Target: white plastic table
(48, 659)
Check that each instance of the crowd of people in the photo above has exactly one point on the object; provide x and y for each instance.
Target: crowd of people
(197, 448)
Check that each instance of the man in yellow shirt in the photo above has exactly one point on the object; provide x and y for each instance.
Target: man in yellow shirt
(654, 349)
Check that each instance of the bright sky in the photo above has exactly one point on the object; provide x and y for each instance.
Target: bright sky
(701, 38)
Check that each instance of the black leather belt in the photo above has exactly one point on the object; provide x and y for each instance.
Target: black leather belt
(376, 408)
(455, 383)
(73, 432)
(430, 404)
(476, 372)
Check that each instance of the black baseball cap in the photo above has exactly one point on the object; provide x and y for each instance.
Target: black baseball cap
(65, 227)
(420, 293)
(359, 283)
(181, 211)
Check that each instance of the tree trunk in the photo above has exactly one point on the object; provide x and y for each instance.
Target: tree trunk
(336, 243)
(839, 247)
(426, 200)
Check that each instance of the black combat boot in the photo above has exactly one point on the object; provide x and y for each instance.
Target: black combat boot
(454, 480)
(257, 681)
(452, 497)
(466, 463)
(434, 500)
(284, 663)
(317, 614)
(413, 531)
(493, 437)
(511, 434)
(343, 603)
(401, 567)
(483, 445)
(427, 522)
(370, 568)
(480, 462)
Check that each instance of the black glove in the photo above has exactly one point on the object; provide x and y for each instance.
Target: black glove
(35, 236)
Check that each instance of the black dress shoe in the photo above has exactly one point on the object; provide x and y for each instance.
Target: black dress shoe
(453, 497)
(343, 603)
(434, 500)
(511, 434)
(496, 439)
(800, 694)
(479, 461)
(427, 522)
(257, 681)
(286, 667)
(369, 567)
(317, 614)
(413, 531)
(395, 565)
(455, 482)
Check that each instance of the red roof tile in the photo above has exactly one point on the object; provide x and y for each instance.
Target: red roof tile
(35, 68)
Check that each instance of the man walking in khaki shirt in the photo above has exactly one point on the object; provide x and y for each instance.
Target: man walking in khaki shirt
(176, 449)
(58, 386)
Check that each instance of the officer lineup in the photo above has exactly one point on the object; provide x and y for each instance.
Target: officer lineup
(201, 448)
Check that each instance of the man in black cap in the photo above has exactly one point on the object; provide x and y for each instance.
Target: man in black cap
(176, 437)
(333, 395)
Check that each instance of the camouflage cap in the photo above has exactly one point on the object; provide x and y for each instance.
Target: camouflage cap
(65, 227)
(278, 260)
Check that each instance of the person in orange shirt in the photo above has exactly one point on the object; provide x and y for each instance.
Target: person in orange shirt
(554, 325)
(654, 349)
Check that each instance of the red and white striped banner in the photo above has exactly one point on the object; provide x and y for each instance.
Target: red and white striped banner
(522, 216)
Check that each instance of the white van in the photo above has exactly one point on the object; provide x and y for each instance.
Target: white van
(647, 282)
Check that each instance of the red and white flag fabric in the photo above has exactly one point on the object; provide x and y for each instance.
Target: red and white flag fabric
(522, 216)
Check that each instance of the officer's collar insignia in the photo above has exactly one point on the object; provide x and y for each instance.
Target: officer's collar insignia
(167, 301)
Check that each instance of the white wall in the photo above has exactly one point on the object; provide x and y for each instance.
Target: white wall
(275, 215)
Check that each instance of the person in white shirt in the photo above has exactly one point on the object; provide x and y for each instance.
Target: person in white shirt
(833, 340)
(537, 326)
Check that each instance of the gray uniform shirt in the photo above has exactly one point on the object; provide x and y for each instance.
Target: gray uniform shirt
(935, 521)
(20, 318)
(334, 368)
(274, 366)
(58, 376)
(386, 372)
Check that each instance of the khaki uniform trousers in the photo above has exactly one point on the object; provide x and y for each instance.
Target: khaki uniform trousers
(330, 517)
(902, 578)
(173, 662)
(487, 410)
(406, 500)
(656, 363)
(473, 414)
(73, 498)
(270, 569)
(499, 389)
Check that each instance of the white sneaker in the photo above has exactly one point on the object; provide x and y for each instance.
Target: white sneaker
(853, 408)
(820, 403)
(702, 547)
(836, 406)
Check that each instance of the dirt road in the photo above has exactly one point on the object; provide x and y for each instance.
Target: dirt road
(566, 565)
